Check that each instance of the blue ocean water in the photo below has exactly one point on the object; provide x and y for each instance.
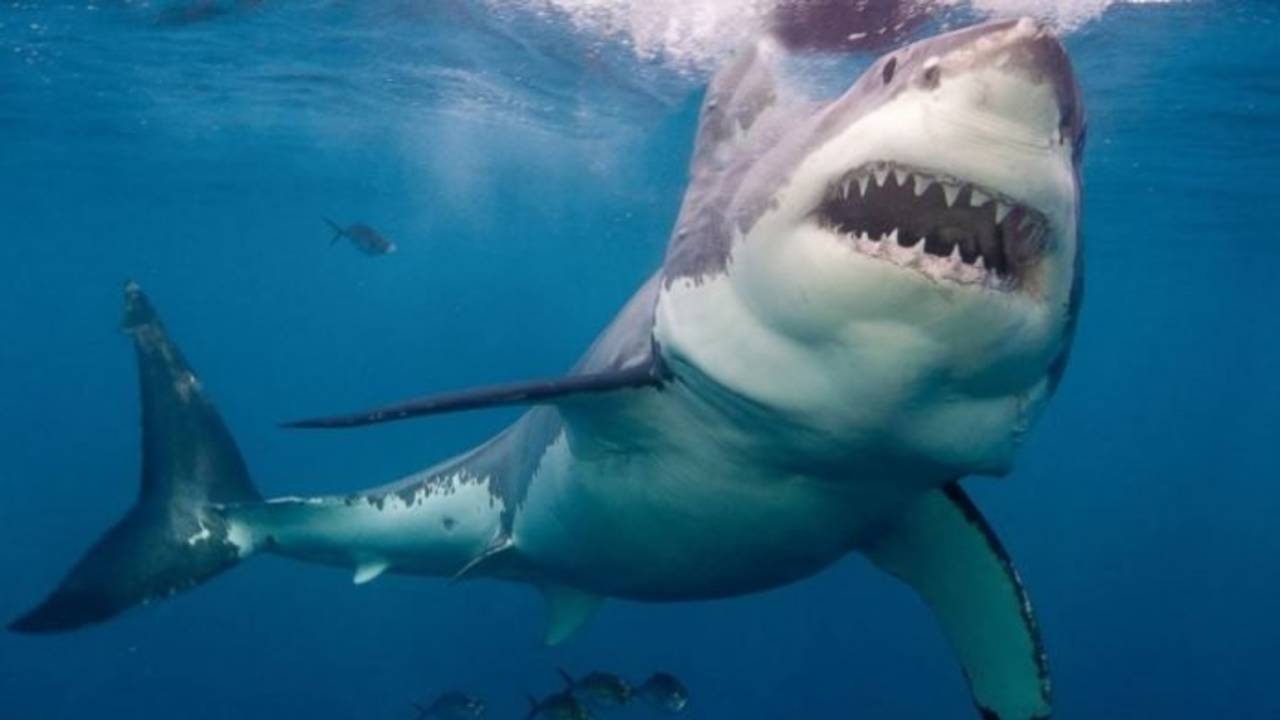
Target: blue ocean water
(529, 166)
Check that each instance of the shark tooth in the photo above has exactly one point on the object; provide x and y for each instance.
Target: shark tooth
(977, 198)
(955, 265)
(1002, 211)
(881, 173)
(914, 255)
(862, 185)
(952, 192)
(922, 184)
(905, 256)
(901, 176)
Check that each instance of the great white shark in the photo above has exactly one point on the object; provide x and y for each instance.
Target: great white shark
(864, 300)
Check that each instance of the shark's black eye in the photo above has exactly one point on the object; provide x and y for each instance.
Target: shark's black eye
(889, 67)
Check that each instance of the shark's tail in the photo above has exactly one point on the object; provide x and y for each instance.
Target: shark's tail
(171, 539)
(338, 232)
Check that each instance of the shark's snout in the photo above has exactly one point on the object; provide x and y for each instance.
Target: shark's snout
(1024, 49)
(1034, 50)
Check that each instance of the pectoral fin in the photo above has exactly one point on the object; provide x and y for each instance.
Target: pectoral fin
(567, 611)
(944, 549)
(528, 392)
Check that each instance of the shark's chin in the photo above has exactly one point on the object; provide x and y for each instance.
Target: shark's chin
(947, 229)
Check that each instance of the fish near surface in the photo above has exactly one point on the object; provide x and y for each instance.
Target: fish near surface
(865, 299)
(365, 238)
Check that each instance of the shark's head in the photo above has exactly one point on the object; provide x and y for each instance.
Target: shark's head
(897, 268)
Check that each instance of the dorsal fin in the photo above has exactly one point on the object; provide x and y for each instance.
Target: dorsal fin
(732, 128)
(736, 97)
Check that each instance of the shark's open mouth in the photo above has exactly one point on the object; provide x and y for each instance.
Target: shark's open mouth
(945, 227)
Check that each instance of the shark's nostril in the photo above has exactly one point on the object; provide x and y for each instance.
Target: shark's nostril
(932, 74)
(889, 68)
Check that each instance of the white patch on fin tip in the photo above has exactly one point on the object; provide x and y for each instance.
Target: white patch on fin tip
(369, 571)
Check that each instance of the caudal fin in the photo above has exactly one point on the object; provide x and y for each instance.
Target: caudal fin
(338, 232)
(170, 540)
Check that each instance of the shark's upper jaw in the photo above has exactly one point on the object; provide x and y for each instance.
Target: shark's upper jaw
(957, 159)
(944, 227)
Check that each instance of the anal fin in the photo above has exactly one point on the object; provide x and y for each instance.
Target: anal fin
(568, 609)
(369, 571)
(944, 549)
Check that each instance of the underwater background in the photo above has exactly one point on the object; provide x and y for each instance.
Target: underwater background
(528, 158)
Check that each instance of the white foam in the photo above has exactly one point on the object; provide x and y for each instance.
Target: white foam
(693, 34)
(698, 34)
(1064, 15)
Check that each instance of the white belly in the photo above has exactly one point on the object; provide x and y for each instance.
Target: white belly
(686, 518)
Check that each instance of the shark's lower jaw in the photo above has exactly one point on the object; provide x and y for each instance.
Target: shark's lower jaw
(946, 228)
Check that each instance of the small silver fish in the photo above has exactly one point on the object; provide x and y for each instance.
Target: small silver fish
(601, 689)
(665, 691)
(366, 239)
(452, 705)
